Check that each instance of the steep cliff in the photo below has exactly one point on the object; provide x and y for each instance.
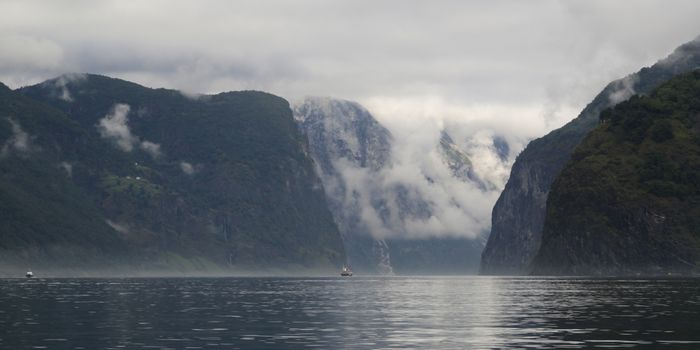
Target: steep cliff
(518, 216)
(354, 154)
(350, 148)
(628, 201)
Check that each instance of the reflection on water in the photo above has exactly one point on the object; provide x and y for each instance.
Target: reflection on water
(354, 313)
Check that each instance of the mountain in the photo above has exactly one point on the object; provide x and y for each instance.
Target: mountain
(343, 137)
(628, 201)
(354, 158)
(161, 180)
(518, 216)
(43, 214)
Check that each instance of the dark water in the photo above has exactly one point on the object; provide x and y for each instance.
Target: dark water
(354, 313)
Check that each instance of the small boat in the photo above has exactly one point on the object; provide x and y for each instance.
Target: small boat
(346, 271)
(29, 274)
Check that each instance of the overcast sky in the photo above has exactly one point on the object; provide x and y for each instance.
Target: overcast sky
(522, 67)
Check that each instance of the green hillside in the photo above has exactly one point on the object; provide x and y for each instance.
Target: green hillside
(628, 201)
(159, 179)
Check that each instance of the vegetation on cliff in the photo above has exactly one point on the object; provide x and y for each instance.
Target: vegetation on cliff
(159, 179)
(628, 201)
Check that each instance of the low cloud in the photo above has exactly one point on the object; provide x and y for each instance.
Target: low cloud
(623, 89)
(417, 196)
(187, 168)
(414, 191)
(153, 149)
(20, 142)
(114, 126)
(67, 167)
(489, 164)
(61, 85)
(121, 228)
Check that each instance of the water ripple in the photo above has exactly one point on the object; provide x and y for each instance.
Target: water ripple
(356, 313)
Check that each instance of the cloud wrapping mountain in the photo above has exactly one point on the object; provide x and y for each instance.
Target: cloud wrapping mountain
(392, 198)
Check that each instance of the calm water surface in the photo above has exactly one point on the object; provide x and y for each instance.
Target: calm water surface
(354, 313)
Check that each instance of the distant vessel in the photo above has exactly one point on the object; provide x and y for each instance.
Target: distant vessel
(346, 271)
(29, 274)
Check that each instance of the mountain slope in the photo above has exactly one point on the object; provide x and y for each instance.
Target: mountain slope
(629, 200)
(518, 216)
(43, 214)
(219, 181)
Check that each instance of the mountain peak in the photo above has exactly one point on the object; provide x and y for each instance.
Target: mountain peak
(345, 130)
(518, 216)
(323, 107)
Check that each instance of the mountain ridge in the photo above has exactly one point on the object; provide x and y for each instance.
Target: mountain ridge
(627, 201)
(219, 182)
(518, 215)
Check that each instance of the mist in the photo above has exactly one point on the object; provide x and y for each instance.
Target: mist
(20, 143)
(114, 126)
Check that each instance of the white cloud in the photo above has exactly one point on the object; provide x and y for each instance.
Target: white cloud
(20, 142)
(187, 168)
(24, 58)
(61, 85)
(420, 196)
(153, 149)
(486, 162)
(539, 61)
(509, 68)
(67, 167)
(624, 89)
(121, 228)
(114, 126)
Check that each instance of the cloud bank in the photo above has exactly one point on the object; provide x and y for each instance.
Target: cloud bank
(409, 182)
(421, 196)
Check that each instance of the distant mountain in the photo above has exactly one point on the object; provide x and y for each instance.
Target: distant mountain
(101, 171)
(518, 216)
(353, 153)
(628, 201)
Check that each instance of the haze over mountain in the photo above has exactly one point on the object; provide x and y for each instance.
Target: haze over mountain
(398, 208)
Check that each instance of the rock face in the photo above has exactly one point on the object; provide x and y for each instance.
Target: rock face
(349, 145)
(353, 153)
(518, 216)
(628, 201)
(161, 180)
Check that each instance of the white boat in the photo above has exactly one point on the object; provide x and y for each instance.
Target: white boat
(346, 271)
(29, 274)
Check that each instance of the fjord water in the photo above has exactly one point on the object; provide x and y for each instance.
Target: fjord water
(353, 313)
